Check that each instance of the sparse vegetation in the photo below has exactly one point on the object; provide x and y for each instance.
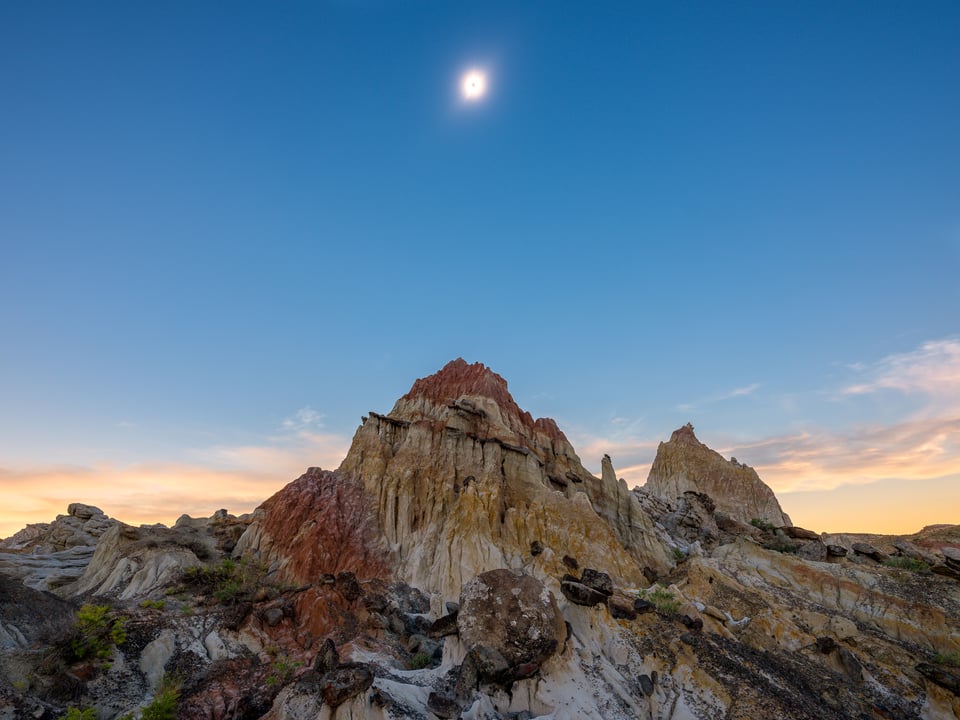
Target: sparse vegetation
(97, 631)
(764, 525)
(164, 703)
(419, 661)
(282, 670)
(75, 713)
(679, 555)
(229, 583)
(664, 600)
(153, 604)
(951, 658)
(905, 563)
(785, 547)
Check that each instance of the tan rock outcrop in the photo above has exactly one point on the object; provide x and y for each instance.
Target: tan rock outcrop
(684, 464)
(463, 481)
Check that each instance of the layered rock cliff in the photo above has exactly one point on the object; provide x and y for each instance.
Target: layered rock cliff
(684, 464)
(464, 481)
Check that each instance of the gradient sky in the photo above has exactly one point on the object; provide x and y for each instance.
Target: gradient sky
(228, 230)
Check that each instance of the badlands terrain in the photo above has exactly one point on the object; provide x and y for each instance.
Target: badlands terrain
(462, 563)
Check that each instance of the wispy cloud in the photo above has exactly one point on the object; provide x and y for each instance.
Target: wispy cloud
(720, 397)
(305, 418)
(933, 370)
(920, 449)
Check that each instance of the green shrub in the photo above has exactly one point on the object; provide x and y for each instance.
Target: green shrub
(419, 661)
(664, 600)
(153, 604)
(97, 630)
(74, 713)
(785, 547)
(763, 525)
(230, 582)
(679, 555)
(905, 563)
(282, 670)
(951, 658)
(164, 703)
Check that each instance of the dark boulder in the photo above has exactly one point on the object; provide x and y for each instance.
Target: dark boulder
(596, 580)
(346, 682)
(580, 594)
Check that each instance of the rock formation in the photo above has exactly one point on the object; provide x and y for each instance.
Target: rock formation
(461, 563)
(685, 464)
(464, 481)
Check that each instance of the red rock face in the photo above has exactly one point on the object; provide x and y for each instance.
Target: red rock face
(458, 378)
(321, 523)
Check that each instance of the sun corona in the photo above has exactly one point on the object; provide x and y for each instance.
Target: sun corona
(473, 85)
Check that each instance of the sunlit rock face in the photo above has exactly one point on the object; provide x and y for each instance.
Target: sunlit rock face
(464, 481)
(685, 464)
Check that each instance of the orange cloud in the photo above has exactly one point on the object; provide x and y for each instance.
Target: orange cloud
(237, 478)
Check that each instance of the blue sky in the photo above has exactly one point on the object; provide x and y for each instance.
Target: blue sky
(227, 231)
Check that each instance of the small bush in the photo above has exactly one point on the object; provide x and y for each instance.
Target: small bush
(679, 555)
(951, 658)
(282, 670)
(74, 713)
(153, 604)
(97, 630)
(785, 547)
(905, 563)
(164, 703)
(763, 525)
(664, 600)
(419, 661)
(229, 583)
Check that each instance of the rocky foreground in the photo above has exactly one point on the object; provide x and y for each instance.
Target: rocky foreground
(462, 563)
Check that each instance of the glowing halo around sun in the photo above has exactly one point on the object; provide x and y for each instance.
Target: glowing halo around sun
(473, 85)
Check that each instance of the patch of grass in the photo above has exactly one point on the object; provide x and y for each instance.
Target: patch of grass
(75, 713)
(679, 555)
(282, 670)
(153, 604)
(419, 661)
(785, 547)
(763, 525)
(229, 583)
(951, 658)
(905, 563)
(164, 703)
(97, 631)
(664, 600)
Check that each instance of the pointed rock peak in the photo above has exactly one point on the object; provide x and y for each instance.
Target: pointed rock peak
(457, 378)
(684, 434)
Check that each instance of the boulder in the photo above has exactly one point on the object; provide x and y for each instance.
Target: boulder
(580, 594)
(513, 614)
(443, 626)
(596, 580)
(347, 681)
(327, 659)
(868, 550)
(799, 533)
(442, 706)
